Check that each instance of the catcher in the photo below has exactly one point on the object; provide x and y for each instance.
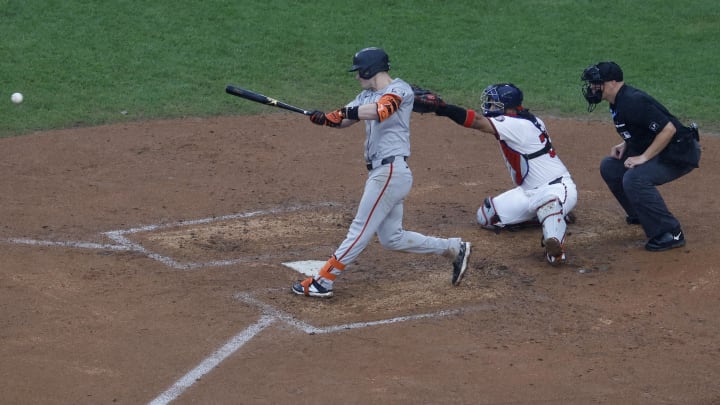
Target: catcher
(545, 194)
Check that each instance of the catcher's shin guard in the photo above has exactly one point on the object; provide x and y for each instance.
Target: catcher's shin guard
(554, 226)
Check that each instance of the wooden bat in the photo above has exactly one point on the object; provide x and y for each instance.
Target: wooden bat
(259, 98)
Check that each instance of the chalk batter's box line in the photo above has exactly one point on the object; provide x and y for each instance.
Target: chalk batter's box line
(123, 243)
(269, 315)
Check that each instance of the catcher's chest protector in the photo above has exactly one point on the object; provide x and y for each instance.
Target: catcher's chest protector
(516, 162)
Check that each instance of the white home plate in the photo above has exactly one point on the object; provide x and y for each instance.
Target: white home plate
(306, 267)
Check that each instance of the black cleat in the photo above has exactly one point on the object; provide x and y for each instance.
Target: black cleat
(666, 241)
(461, 262)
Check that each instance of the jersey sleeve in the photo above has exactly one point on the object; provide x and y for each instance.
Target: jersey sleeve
(648, 115)
(402, 90)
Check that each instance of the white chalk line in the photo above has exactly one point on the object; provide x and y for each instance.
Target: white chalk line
(122, 243)
(269, 315)
(235, 343)
(71, 244)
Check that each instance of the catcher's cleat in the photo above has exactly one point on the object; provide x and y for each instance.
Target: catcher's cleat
(554, 252)
(461, 262)
(311, 288)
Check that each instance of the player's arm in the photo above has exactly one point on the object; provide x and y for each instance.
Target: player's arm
(346, 116)
(466, 118)
(333, 119)
(662, 139)
(426, 101)
(653, 119)
(381, 110)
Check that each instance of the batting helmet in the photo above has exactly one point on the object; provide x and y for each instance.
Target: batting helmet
(369, 61)
(496, 98)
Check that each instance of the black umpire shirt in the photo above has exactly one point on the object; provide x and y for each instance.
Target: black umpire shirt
(639, 118)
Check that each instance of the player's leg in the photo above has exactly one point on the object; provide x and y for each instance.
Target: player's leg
(659, 224)
(553, 203)
(507, 209)
(381, 193)
(612, 171)
(553, 226)
(392, 236)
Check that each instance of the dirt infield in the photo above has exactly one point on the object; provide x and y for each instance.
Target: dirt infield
(144, 263)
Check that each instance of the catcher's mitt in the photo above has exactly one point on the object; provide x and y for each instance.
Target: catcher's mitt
(426, 101)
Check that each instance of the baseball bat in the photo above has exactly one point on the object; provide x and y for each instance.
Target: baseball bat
(259, 98)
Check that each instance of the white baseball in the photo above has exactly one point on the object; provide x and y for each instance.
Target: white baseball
(16, 98)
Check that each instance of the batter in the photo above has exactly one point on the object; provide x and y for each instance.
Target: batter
(385, 105)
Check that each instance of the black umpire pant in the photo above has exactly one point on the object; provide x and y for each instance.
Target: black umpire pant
(636, 191)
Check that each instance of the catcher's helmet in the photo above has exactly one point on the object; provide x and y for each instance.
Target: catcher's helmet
(369, 61)
(598, 74)
(496, 98)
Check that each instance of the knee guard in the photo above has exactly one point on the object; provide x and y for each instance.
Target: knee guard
(486, 215)
(552, 219)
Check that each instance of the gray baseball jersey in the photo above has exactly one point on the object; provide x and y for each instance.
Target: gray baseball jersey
(392, 136)
(387, 147)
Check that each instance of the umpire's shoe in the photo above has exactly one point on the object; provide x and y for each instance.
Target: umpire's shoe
(461, 263)
(666, 241)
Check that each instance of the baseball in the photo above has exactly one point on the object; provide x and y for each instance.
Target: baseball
(16, 98)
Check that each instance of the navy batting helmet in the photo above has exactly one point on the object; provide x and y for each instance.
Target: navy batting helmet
(369, 61)
(498, 97)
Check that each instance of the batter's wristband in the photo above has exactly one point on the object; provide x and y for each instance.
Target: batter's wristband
(351, 113)
(457, 114)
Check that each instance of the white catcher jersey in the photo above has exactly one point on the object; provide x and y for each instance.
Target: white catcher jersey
(523, 136)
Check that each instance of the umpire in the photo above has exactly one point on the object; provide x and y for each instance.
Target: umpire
(656, 149)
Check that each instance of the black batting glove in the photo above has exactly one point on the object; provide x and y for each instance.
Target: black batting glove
(318, 117)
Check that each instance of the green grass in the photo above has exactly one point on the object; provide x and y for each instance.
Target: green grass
(92, 62)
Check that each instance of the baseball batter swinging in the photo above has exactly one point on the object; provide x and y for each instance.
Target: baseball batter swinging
(544, 193)
(385, 104)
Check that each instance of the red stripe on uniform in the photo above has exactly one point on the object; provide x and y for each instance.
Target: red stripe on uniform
(367, 220)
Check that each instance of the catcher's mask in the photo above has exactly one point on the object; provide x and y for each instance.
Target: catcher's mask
(496, 98)
(594, 76)
(369, 61)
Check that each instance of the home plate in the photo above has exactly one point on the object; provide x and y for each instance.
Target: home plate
(306, 267)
